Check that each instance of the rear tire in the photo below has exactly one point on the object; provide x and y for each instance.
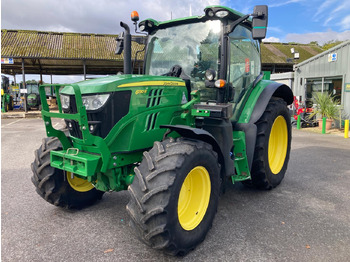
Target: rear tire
(54, 186)
(167, 211)
(272, 147)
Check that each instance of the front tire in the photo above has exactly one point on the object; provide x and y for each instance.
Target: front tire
(272, 147)
(175, 194)
(64, 190)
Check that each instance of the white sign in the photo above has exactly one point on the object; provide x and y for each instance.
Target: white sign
(332, 57)
(23, 91)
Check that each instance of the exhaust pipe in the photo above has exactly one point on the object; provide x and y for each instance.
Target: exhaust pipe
(127, 49)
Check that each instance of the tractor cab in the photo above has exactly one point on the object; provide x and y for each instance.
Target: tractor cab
(222, 46)
(33, 98)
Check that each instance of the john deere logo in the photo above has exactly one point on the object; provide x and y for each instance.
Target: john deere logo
(170, 83)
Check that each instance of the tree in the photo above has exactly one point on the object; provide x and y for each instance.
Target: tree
(314, 43)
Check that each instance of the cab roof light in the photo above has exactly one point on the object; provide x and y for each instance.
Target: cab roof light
(221, 13)
(134, 16)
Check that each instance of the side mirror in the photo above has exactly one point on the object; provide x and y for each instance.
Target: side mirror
(260, 17)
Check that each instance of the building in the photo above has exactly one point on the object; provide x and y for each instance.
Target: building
(278, 57)
(56, 53)
(284, 78)
(326, 72)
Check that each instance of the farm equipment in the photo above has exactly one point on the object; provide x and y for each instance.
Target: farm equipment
(200, 115)
(33, 98)
(6, 97)
(304, 111)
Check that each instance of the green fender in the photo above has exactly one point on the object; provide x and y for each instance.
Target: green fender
(249, 111)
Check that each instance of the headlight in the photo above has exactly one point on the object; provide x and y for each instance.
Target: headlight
(65, 101)
(210, 74)
(221, 14)
(142, 27)
(94, 102)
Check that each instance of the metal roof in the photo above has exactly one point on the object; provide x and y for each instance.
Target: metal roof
(38, 44)
(62, 53)
(66, 53)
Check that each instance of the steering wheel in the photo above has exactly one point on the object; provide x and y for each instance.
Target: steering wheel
(175, 71)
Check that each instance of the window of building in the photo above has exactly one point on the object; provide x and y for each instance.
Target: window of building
(332, 85)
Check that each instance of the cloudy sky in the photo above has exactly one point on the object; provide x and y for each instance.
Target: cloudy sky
(300, 21)
(289, 20)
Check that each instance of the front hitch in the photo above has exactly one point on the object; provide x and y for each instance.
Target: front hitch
(81, 117)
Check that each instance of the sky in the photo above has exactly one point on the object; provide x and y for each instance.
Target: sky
(299, 21)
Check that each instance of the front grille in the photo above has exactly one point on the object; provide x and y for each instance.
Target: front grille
(101, 121)
(154, 97)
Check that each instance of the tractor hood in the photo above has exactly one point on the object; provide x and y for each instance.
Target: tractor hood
(122, 82)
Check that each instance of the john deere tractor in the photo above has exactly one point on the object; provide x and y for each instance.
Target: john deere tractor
(6, 97)
(201, 114)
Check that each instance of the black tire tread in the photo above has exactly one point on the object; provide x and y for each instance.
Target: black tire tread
(260, 178)
(50, 182)
(147, 207)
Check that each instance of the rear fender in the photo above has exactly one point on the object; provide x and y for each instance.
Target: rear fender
(274, 89)
(254, 109)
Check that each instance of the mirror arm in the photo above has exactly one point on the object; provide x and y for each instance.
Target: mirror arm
(230, 27)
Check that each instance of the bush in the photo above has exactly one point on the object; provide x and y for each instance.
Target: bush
(326, 106)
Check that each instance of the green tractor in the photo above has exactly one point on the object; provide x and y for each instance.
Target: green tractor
(6, 97)
(33, 98)
(201, 114)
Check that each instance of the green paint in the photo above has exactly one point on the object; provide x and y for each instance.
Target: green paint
(246, 105)
(241, 160)
(5, 101)
(324, 121)
(267, 75)
(200, 113)
(102, 159)
(80, 163)
(168, 23)
(298, 122)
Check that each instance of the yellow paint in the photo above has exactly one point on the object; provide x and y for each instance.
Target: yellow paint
(278, 143)
(346, 129)
(154, 83)
(194, 198)
(79, 184)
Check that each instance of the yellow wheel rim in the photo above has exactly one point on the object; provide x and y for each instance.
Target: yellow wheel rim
(79, 184)
(194, 198)
(278, 143)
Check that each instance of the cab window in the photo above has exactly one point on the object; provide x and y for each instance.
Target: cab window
(244, 60)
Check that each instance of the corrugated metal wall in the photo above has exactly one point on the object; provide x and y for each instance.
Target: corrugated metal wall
(319, 66)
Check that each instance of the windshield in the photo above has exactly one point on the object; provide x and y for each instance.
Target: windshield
(32, 88)
(194, 47)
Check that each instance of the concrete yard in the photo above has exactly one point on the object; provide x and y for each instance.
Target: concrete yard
(306, 218)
